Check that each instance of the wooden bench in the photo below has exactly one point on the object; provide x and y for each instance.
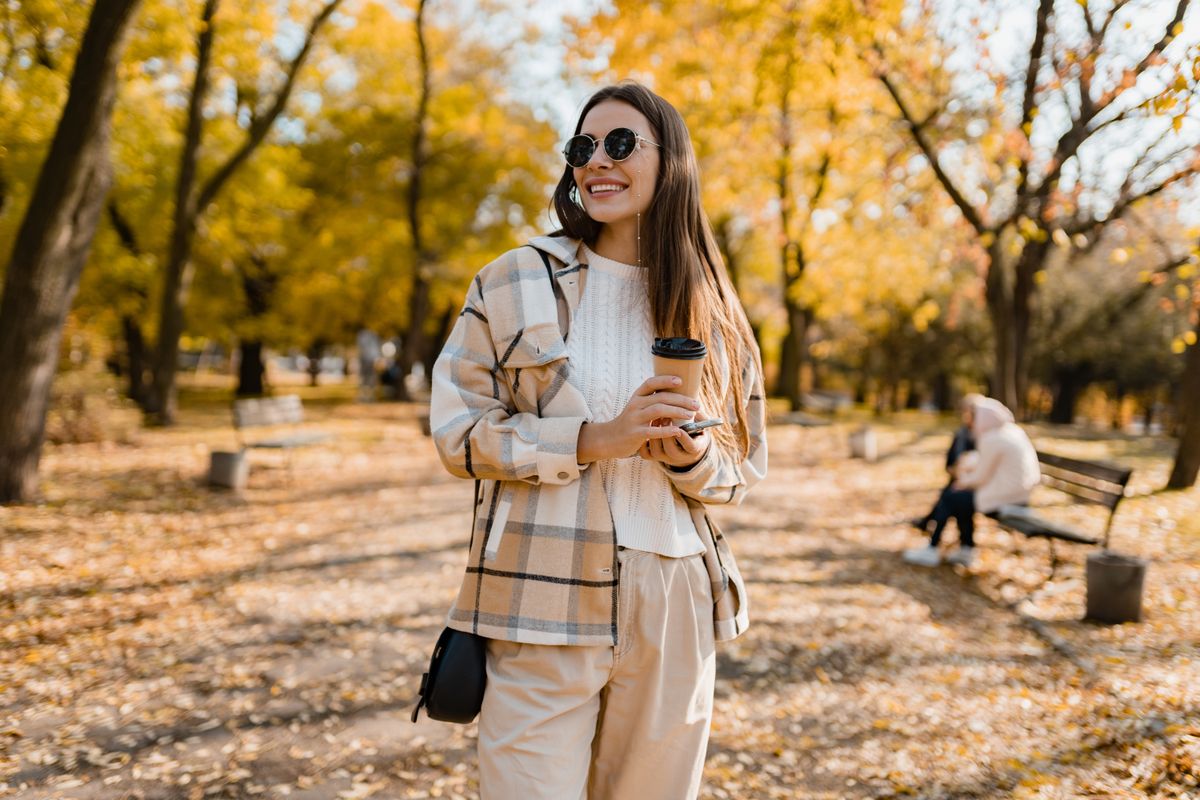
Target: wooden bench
(272, 412)
(1088, 481)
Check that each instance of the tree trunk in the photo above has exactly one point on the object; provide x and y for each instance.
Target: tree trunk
(51, 246)
(445, 324)
(912, 400)
(792, 355)
(178, 266)
(999, 305)
(1187, 457)
(315, 352)
(135, 353)
(413, 341)
(1032, 259)
(250, 369)
(941, 390)
(1069, 383)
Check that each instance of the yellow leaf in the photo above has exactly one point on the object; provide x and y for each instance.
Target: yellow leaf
(1183, 292)
(1178, 346)
(1190, 338)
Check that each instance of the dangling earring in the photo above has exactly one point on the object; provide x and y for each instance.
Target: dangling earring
(639, 237)
(575, 196)
(638, 195)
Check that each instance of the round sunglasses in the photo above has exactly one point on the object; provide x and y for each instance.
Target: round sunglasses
(619, 144)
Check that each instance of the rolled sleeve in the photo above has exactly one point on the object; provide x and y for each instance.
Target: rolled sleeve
(557, 449)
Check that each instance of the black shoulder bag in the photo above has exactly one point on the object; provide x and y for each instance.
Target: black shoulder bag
(452, 689)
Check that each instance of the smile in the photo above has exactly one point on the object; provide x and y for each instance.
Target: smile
(604, 189)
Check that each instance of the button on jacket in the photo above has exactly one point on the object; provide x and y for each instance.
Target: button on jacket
(543, 563)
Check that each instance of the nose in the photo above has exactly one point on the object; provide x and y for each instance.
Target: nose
(599, 158)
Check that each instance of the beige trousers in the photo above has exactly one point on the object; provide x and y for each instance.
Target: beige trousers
(608, 723)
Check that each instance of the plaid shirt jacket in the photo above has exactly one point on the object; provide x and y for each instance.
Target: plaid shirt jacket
(543, 555)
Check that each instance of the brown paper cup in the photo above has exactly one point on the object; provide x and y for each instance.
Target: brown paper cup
(687, 371)
(683, 358)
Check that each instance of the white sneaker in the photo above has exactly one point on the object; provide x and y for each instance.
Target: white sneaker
(927, 556)
(963, 556)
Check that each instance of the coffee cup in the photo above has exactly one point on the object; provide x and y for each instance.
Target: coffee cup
(683, 358)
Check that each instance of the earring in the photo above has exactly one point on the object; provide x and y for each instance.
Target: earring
(576, 198)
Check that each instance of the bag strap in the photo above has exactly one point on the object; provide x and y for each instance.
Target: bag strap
(560, 300)
(440, 648)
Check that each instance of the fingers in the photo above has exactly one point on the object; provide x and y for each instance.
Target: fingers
(664, 411)
(693, 445)
(655, 432)
(658, 383)
(675, 399)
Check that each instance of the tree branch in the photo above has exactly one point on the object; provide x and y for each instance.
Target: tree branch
(262, 124)
(1128, 198)
(1108, 20)
(1036, 50)
(972, 215)
(123, 228)
(1081, 128)
(1167, 37)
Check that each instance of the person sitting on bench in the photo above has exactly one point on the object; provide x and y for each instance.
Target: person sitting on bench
(1005, 472)
(962, 443)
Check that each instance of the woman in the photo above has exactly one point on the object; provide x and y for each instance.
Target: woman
(594, 570)
(1004, 473)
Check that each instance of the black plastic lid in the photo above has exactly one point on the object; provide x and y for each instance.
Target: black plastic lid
(679, 347)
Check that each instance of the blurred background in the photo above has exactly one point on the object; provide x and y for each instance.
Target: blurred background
(204, 202)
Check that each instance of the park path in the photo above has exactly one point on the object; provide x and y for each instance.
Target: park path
(159, 640)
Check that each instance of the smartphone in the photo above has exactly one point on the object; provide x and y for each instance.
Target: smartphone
(694, 428)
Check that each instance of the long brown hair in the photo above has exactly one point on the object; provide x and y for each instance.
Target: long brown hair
(689, 289)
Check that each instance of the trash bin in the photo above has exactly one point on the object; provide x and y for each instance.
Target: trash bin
(1114, 587)
(863, 444)
(228, 470)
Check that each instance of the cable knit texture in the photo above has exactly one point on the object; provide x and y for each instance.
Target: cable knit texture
(609, 350)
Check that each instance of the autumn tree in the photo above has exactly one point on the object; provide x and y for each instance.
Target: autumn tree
(256, 113)
(1026, 152)
(52, 245)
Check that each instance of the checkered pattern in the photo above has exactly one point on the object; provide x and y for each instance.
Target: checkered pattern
(504, 411)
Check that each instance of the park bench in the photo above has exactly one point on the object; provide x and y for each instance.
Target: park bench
(1088, 481)
(273, 412)
(282, 415)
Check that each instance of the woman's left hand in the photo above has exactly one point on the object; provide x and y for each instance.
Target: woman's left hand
(677, 451)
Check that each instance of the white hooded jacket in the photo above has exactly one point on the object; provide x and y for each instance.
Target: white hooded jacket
(1007, 468)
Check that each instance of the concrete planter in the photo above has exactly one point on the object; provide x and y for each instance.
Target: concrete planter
(863, 444)
(1114, 587)
(228, 470)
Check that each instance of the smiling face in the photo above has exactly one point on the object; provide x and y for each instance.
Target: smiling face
(613, 191)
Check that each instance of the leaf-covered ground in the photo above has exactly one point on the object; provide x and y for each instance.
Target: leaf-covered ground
(161, 640)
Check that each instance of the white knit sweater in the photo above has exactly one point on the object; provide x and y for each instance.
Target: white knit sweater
(609, 350)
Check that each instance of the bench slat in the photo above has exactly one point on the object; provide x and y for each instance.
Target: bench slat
(1083, 492)
(1092, 469)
